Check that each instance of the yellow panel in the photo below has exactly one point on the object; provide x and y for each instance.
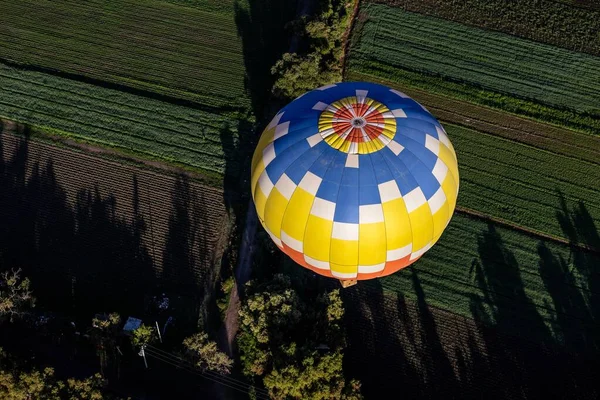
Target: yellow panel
(344, 269)
(265, 139)
(317, 238)
(422, 226)
(274, 210)
(449, 159)
(296, 214)
(260, 167)
(344, 252)
(440, 219)
(260, 200)
(372, 247)
(449, 188)
(397, 224)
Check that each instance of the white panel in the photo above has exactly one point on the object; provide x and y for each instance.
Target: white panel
(314, 139)
(316, 263)
(437, 200)
(388, 115)
(440, 170)
(310, 182)
(432, 144)
(399, 113)
(320, 106)
(291, 242)
(344, 275)
(326, 87)
(268, 154)
(323, 208)
(274, 238)
(275, 120)
(395, 147)
(361, 95)
(420, 252)
(442, 136)
(397, 254)
(265, 184)
(369, 214)
(327, 132)
(353, 148)
(399, 93)
(285, 186)
(384, 139)
(281, 130)
(352, 161)
(389, 191)
(414, 199)
(345, 231)
(370, 269)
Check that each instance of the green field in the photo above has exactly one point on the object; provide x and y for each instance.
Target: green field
(395, 38)
(193, 53)
(201, 138)
(520, 183)
(546, 21)
(479, 268)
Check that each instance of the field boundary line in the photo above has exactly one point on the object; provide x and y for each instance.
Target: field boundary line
(532, 232)
(347, 35)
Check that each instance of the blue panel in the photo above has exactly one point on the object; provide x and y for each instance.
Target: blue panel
(350, 177)
(298, 168)
(414, 134)
(321, 166)
(422, 125)
(402, 175)
(366, 172)
(328, 191)
(383, 173)
(282, 161)
(369, 194)
(290, 140)
(346, 209)
(422, 153)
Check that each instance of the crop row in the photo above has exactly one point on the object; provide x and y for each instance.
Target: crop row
(503, 272)
(165, 226)
(520, 183)
(484, 119)
(205, 139)
(168, 49)
(392, 39)
(544, 21)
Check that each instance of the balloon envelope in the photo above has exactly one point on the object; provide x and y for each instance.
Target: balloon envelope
(354, 180)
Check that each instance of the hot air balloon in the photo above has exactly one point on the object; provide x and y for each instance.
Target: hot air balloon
(354, 180)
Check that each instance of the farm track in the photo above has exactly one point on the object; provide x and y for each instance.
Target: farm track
(79, 174)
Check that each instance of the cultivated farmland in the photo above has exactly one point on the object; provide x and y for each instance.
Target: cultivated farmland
(394, 38)
(114, 231)
(192, 53)
(201, 138)
(546, 21)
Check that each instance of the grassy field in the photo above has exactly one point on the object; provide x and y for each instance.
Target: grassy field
(395, 38)
(114, 231)
(545, 21)
(201, 138)
(520, 183)
(193, 53)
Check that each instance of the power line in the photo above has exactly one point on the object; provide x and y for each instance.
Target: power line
(174, 357)
(181, 363)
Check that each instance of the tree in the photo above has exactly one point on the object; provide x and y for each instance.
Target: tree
(296, 347)
(20, 383)
(15, 294)
(142, 336)
(204, 354)
(104, 333)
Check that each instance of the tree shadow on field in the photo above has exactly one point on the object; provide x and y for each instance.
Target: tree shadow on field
(82, 256)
